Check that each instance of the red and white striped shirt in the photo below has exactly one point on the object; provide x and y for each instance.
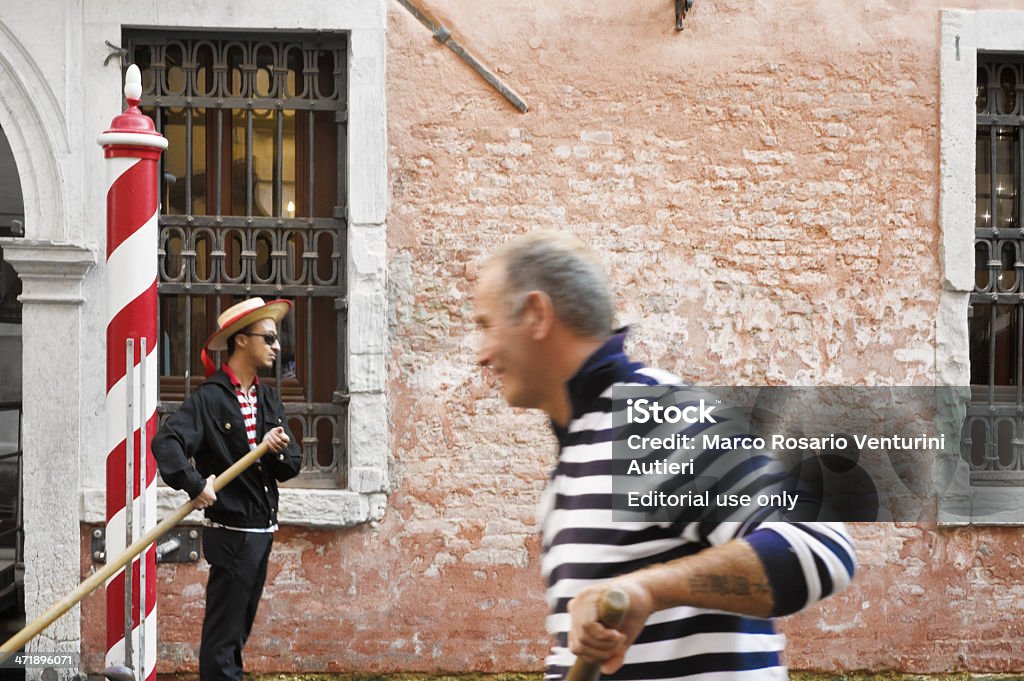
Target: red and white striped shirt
(247, 403)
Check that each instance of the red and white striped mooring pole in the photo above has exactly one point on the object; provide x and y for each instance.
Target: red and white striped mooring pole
(132, 147)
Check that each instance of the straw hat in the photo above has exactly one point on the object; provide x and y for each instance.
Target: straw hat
(241, 315)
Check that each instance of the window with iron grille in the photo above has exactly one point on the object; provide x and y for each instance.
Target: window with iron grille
(252, 203)
(994, 432)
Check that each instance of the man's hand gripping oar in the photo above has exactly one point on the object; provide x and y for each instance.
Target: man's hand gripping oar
(612, 609)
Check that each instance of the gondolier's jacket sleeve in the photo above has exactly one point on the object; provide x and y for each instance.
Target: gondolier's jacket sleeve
(178, 440)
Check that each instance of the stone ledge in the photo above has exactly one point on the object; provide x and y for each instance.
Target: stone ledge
(51, 272)
(319, 508)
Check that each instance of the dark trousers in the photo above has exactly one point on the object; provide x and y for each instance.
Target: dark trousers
(238, 568)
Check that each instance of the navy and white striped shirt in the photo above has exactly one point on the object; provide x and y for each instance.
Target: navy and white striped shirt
(804, 562)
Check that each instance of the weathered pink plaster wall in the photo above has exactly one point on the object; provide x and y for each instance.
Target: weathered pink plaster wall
(764, 189)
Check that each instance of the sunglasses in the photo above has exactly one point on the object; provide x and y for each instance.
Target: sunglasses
(268, 338)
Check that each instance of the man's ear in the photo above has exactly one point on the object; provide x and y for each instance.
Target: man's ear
(539, 314)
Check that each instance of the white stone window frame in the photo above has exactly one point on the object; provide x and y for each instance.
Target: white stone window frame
(963, 35)
(365, 498)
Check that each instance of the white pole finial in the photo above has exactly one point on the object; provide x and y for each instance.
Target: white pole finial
(133, 83)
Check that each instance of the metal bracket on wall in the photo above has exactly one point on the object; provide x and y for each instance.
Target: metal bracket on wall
(179, 545)
(682, 7)
(444, 36)
(115, 51)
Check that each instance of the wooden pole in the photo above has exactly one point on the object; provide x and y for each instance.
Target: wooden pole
(611, 610)
(14, 644)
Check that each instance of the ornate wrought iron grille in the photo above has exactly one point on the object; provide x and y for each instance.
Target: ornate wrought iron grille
(253, 203)
(994, 432)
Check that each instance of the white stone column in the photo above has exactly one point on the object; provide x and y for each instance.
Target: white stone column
(51, 276)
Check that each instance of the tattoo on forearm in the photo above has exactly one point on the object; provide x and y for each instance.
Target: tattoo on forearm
(727, 585)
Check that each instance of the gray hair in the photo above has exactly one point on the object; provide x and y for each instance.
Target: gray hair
(566, 270)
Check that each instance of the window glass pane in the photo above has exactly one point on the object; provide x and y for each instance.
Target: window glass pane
(326, 269)
(1007, 272)
(286, 330)
(981, 275)
(983, 170)
(233, 246)
(978, 441)
(203, 246)
(295, 85)
(981, 102)
(1007, 89)
(265, 81)
(206, 82)
(305, 152)
(199, 163)
(235, 54)
(1006, 333)
(294, 262)
(172, 322)
(174, 74)
(185, 322)
(264, 265)
(318, 379)
(239, 161)
(264, 132)
(297, 426)
(325, 443)
(172, 265)
(174, 161)
(1006, 165)
(1004, 443)
(979, 331)
(325, 350)
(288, 162)
(326, 80)
(325, 165)
(143, 57)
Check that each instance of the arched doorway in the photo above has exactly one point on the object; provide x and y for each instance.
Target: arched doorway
(12, 595)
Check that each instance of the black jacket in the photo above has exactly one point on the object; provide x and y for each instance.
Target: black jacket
(209, 428)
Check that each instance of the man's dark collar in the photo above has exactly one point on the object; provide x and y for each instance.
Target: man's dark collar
(607, 365)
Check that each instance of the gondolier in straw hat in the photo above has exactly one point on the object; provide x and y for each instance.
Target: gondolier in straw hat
(227, 416)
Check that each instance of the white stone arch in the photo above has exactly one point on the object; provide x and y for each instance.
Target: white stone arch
(37, 131)
(51, 269)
